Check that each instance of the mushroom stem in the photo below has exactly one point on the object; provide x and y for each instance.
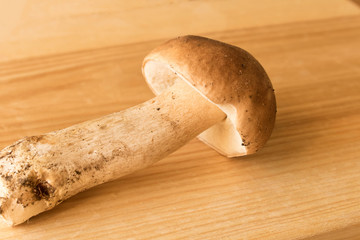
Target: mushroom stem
(37, 173)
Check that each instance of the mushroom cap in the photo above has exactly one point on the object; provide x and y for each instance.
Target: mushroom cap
(227, 76)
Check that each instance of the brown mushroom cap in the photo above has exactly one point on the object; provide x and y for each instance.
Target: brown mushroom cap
(227, 76)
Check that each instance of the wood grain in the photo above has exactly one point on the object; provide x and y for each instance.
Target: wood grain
(303, 185)
(32, 28)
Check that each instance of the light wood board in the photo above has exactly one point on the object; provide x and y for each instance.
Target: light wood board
(69, 61)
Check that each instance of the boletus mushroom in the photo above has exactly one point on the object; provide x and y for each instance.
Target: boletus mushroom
(204, 88)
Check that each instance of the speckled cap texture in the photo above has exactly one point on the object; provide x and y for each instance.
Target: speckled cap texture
(227, 76)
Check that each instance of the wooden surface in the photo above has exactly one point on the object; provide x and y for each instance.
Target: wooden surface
(63, 62)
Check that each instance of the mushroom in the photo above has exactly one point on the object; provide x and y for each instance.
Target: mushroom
(204, 88)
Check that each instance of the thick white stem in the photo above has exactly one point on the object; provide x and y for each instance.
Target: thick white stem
(39, 172)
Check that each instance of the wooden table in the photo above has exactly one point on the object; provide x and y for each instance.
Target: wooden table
(63, 62)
